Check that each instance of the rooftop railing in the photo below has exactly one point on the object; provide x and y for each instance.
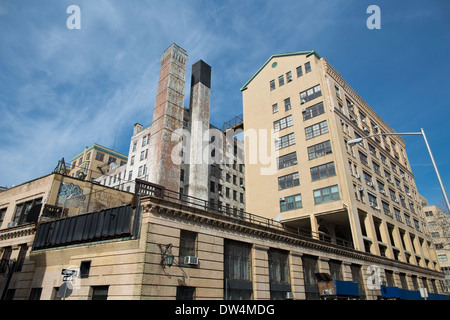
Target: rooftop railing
(144, 188)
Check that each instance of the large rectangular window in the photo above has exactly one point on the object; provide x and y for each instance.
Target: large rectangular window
(237, 269)
(288, 181)
(316, 130)
(278, 274)
(319, 150)
(287, 160)
(326, 194)
(291, 203)
(285, 141)
(24, 209)
(282, 123)
(323, 171)
(310, 94)
(187, 245)
(313, 111)
(310, 266)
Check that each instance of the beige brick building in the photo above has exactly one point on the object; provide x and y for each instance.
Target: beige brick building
(300, 114)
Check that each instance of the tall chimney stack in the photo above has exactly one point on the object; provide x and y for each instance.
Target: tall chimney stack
(199, 107)
(167, 118)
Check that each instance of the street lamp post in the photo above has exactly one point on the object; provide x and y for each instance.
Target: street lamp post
(422, 133)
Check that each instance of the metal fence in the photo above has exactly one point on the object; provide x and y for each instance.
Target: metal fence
(144, 188)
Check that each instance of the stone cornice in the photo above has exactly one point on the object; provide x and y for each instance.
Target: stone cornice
(163, 207)
(17, 232)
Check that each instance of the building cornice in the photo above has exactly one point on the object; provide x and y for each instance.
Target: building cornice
(162, 207)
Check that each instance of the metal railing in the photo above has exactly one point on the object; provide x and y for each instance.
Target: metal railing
(144, 188)
(231, 123)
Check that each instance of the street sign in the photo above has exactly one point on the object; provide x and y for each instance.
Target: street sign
(65, 290)
(68, 272)
(68, 278)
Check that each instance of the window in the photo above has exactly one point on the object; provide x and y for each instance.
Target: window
(291, 203)
(21, 257)
(316, 130)
(319, 150)
(237, 270)
(299, 71)
(272, 85)
(335, 269)
(212, 186)
(132, 160)
(278, 273)
(323, 171)
(130, 175)
(275, 108)
(288, 181)
(336, 90)
(386, 209)
(442, 257)
(2, 215)
(23, 209)
(85, 268)
(285, 141)
(289, 76)
(363, 158)
(435, 235)
(311, 93)
(313, 111)
(99, 292)
(280, 80)
(287, 104)
(187, 244)
(326, 194)
(181, 175)
(397, 215)
(185, 293)
(310, 267)
(372, 200)
(282, 123)
(287, 160)
(99, 156)
(308, 67)
(35, 294)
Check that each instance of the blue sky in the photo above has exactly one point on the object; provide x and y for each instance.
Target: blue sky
(62, 90)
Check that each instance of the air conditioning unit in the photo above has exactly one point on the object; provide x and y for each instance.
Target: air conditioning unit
(370, 184)
(375, 128)
(304, 110)
(191, 260)
(360, 188)
(282, 199)
(357, 176)
(12, 224)
(409, 194)
(396, 200)
(294, 162)
(377, 208)
(303, 101)
(289, 295)
(382, 191)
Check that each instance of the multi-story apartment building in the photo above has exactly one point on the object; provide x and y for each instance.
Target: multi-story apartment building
(305, 113)
(95, 161)
(438, 223)
(218, 178)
